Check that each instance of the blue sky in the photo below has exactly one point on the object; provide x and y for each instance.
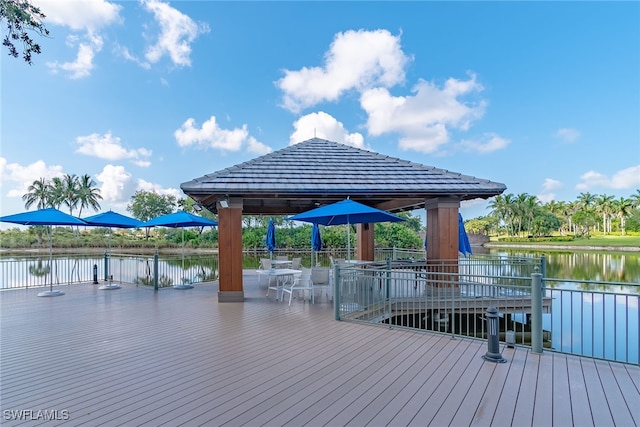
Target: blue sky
(541, 96)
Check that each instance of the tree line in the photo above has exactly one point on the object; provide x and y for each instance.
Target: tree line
(523, 215)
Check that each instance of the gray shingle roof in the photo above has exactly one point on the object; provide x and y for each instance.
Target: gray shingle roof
(317, 171)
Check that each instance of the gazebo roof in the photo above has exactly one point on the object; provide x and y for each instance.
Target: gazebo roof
(316, 172)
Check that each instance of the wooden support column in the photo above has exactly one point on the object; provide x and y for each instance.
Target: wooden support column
(230, 251)
(442, 241)
(366, 246)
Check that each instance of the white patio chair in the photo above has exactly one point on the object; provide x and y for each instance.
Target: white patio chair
(296, 263)
(265, 264)
(301, 282)
(320, 280)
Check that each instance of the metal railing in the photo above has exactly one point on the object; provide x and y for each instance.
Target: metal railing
(142, 270)
(452, 297)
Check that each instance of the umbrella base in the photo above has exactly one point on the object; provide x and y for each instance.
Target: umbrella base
(109, 287)
(55, 293)
(183, 286)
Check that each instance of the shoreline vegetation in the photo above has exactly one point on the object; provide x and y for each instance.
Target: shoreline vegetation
(533, 246)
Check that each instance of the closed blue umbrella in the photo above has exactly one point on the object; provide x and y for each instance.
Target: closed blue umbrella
(48, 216)
(316, 242)
(271, 237)
(463, 239)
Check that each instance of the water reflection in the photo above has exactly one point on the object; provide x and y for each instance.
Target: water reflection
(596, 266)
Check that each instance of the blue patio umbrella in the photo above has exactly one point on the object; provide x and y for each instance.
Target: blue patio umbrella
(180, 219)
(48, 216)
(345, 212)
(316, 242)
(270, 239)
(111, 220)
(463, 239)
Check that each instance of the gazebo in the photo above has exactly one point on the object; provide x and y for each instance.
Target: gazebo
(316, 172)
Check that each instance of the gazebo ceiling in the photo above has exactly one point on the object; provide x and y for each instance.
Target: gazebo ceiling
(315, 172)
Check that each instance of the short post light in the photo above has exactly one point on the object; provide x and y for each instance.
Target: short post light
(95, 274)
(493, 343)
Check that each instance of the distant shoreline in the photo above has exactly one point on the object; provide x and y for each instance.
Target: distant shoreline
(536, 246)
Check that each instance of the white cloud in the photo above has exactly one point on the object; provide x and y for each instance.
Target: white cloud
(425, 118)
(323, 125)
(117, 185)
(551, 185)
(210, 135)
(16, 178)
(157, 188)
(177, 32)
(83, 64)
(89, 15)
(355, 60)
(489, 143)
(567, 134)
(108, 147)
(628, 178)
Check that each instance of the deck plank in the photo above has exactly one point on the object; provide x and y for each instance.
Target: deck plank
(138, 357)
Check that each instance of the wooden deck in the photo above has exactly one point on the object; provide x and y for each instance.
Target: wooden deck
(178, 357)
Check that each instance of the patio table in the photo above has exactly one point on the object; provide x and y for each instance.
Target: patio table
(281, 275)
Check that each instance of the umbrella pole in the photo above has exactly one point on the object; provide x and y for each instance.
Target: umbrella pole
(50, 258)
(348, 242)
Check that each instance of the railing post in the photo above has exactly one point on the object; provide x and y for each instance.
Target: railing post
(155, 272)
(336, 291)
(536, 313)
(106, 266)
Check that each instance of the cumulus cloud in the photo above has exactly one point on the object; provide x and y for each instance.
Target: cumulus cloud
(16, 178)
(628, 178)
(489, 143)
(567, 134)
(177, 32)
(549, 187)
(109, 147)
(425, 118)
(86, 19)
(89, 15)
(323, 125)
(355, 60)
(210, 135)
(117, 185)
(156, 188)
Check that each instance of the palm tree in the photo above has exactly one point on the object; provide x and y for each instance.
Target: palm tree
(604, 207)
(88, 194)
(56, 196)
(70, 191)
(635, 199)
(39, 193)
(622, 207)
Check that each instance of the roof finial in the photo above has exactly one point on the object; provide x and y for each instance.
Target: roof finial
(314, 132)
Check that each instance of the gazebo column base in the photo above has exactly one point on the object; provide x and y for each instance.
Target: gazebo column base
(230, 296)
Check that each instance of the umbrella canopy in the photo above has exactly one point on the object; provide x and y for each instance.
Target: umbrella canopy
(179, 219)
(345, 212)
(48, 216)
(463, 239)
(112, 219)
(271, 237)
